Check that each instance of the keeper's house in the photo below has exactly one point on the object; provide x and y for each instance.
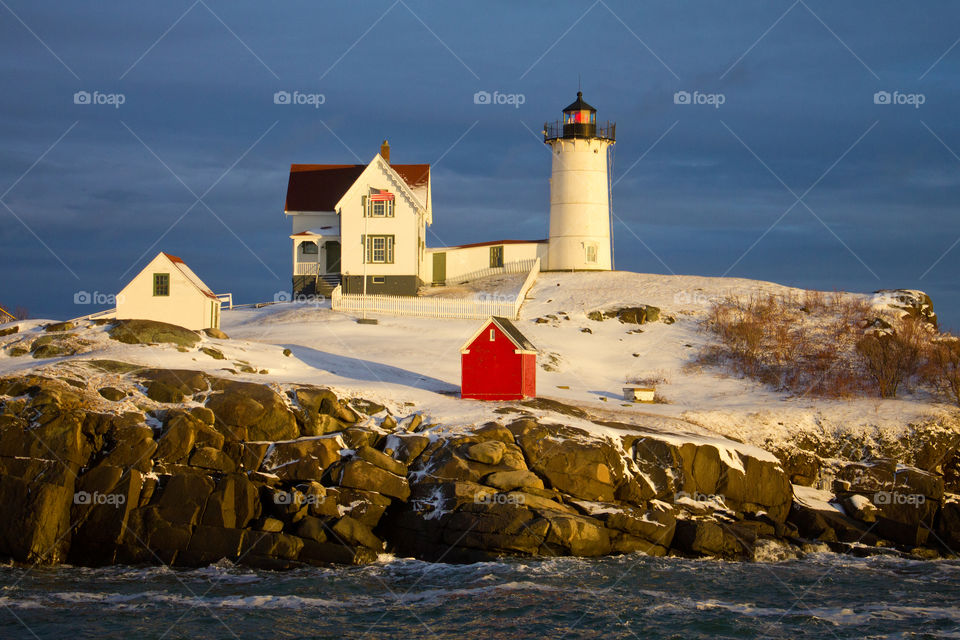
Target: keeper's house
(356, 221)
(167, 290)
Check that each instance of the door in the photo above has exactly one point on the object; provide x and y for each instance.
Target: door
(440, 268)
(333, 256)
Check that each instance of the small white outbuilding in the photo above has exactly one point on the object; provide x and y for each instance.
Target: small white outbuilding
(168, 291)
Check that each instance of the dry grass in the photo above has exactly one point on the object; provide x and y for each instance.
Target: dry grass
(799, 344)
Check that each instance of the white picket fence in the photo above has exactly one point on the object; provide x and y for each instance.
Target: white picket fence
(519, 266)
(434, 307)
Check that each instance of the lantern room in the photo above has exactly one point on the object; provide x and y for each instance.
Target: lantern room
(579, 119)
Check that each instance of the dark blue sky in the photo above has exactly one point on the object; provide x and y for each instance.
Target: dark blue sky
(798, 177)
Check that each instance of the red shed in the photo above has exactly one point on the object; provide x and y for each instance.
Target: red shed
(498, 363)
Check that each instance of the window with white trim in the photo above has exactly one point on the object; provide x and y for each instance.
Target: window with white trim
(379, 250)
(378, 208)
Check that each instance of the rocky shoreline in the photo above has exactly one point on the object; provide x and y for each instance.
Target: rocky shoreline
(208, 468)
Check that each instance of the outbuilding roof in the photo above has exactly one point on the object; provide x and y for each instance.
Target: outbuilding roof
(188, 273)
(509, 329)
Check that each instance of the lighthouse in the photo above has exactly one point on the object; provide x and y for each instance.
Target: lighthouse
(580, 190)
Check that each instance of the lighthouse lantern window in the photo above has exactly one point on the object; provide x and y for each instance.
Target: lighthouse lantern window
(581, 116)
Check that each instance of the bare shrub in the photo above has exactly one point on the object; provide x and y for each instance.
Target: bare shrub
(942, 365)
(804, 344)
(893, 356)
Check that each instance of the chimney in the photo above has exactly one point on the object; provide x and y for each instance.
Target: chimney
(385, 151)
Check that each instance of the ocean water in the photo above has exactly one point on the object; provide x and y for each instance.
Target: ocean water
(817, 596)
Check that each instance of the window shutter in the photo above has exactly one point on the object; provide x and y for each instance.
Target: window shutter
(363, 204)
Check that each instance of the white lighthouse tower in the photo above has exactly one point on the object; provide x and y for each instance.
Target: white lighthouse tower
(579, 190)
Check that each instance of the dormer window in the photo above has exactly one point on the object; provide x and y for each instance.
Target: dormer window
(379, 204)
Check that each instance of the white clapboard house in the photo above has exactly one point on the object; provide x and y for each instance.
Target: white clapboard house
(167, 290)
(356, 221)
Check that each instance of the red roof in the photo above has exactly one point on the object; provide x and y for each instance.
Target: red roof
(496, 242)
(318, 187)
(173, 258)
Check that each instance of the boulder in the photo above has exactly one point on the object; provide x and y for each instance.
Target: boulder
(510, 480)
(302, 460)
(487, 452)
(212, 460)
(183, 498)
(327, 553)
(406, 447)
(234, 503)
(354, 533)
(575, 535)
(706, 537)
(216, 333)
(36, 524)
(311, 528)
(366, 507)
(381, 460)
(572, 461)
(112, 394)
(360, 474)
(151, 332)
(249, 411)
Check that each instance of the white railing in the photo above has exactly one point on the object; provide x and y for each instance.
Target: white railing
(434, 307)
(520, 266)
(225, 299)
(525, 288)
(306, 269)
(97, 315)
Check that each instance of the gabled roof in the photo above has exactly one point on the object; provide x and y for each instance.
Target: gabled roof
(490, 243)
(509, 329)
(318, 187)
(188, 273)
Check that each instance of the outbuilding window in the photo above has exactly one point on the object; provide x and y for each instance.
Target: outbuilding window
(379, 250)
(161, 284)
(309, 248)
(496, 256)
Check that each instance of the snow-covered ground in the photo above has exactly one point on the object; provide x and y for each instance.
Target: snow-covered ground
(413, 364)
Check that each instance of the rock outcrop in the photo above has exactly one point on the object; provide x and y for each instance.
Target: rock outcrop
(185, 468)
